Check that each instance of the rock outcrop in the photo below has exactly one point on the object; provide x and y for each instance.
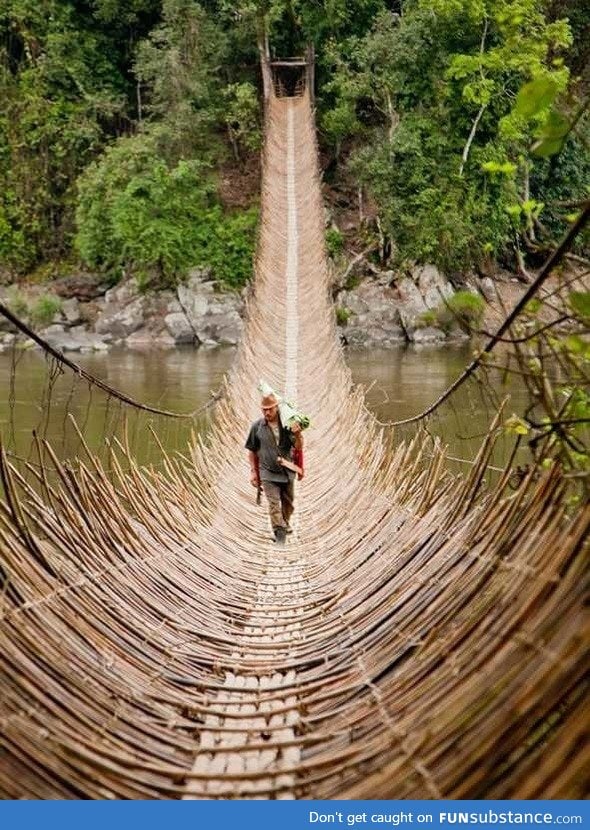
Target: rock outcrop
(383, 309)
(93, 316)
(379, 309)
(212, 315)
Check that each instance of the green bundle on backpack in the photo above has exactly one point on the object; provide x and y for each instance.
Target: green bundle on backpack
(288, 411)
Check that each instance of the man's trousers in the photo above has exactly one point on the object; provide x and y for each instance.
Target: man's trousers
(281, 501)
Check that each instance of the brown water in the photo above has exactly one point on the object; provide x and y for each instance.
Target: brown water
(399, 382)
(178, 380)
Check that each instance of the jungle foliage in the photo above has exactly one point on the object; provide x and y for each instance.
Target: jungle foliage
(425, 109)
(118, 117)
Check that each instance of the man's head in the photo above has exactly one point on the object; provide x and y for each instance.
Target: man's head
(270, 408)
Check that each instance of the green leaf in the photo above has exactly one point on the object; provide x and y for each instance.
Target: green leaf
(535, 96)
(514, 211)
(516, 426)
(533, 306)
(551, 136)
(546, 147)
(556, 126)
(576, 345)
(506, 167)
(580, 304)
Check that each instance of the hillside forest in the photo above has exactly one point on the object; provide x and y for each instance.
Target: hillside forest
(130, 132)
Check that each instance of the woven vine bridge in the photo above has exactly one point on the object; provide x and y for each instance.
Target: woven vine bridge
(417, 637)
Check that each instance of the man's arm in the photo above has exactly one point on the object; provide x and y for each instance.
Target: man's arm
(254, 469)
(297, 435)
(253, 445)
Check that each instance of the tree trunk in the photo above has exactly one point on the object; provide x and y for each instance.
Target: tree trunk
(527, 195)
(233, 142)
(139, 104)
(393, 116)
(264, 52)
(522, 272)
(467, 148)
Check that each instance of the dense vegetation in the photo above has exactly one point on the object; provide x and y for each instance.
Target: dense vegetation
(119, 116)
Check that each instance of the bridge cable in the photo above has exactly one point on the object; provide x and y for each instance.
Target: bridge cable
(92, 379)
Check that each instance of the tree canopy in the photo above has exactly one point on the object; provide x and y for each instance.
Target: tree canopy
(119, 117)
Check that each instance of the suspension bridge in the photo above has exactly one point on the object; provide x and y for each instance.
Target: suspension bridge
(421, 635)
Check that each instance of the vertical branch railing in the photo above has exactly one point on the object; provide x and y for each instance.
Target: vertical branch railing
(310, 72)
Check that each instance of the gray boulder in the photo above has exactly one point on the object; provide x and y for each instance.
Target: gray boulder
(179, 328)
(488, 289)
(385, 309)
(197, 314)
(70, 310)
(140, 338)
(211, 314)
(229, 329)
(456, 334)
(120, 322)
(82, 286)
(195, 297)
(56, 329)
(433, 285)
(122, 293)
(374, 320)
(173, 306)
(224, 328)
(428, 335)
(74, 339)
(410, 298)
(357, 337)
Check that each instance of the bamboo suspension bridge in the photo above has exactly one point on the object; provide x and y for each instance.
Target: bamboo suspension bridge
(419, 636)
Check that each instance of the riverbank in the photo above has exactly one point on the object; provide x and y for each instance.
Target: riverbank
(374, 309)
(82, 313)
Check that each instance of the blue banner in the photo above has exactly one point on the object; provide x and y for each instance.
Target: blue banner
(288, 815)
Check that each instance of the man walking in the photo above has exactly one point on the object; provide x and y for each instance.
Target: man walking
(267, 443)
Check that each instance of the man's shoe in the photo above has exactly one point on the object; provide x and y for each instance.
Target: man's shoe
(289, 529)
(280, 535)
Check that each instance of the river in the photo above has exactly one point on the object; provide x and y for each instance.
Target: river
(399, 383)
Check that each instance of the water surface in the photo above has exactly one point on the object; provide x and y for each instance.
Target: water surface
(400, 383)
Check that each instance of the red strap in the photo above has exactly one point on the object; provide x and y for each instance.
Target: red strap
(298, 457)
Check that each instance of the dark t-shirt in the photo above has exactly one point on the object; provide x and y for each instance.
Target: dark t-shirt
(262, 441)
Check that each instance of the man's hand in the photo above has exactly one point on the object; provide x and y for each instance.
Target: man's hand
(297, 435)
(254, 469)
